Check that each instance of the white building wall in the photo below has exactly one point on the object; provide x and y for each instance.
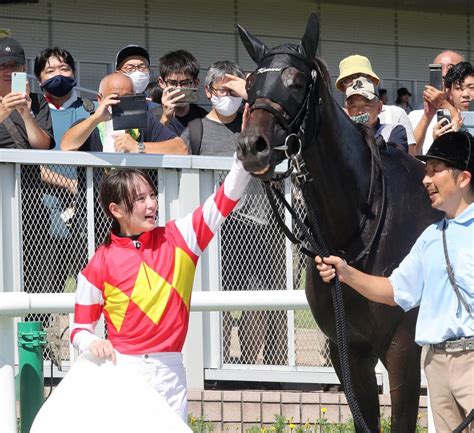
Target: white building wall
(400, 43)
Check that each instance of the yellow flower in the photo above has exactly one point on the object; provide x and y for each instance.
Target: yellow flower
(323, 410)
(292, 426)
(307, 425)
(273, 428)
(193, 419)
(263, 430)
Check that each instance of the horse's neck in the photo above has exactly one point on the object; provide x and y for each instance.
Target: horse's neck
(339, 161)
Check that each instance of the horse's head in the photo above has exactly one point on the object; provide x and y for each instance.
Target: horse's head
(278, 95)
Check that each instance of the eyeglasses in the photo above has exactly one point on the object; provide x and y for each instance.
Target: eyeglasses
(347, 81)
(130, 69)
(222, 92)
(12, 66)
(179, 83)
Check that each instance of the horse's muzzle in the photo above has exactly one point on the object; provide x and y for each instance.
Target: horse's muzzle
(255, 153)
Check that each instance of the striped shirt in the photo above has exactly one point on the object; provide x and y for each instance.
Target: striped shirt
(143, 287)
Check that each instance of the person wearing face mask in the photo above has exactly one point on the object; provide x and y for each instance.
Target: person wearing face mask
(134, 61)
(217, 132)
(248, 234)
(364, 106)
(55, 71)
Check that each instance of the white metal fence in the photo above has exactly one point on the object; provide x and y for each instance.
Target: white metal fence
(52, 223)
(68, 227)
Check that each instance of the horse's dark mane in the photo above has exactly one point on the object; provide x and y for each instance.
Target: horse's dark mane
(364, 130)
(322, 68)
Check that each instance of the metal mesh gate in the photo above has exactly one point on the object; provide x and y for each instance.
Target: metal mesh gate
(256, 256)
(62, 224)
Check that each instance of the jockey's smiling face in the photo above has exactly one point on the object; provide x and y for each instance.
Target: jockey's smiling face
(142, 217)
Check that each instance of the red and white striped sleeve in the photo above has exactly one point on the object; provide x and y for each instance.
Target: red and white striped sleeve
(199, 227)
(87, 310)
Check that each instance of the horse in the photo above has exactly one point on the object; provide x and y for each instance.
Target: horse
(369, 202)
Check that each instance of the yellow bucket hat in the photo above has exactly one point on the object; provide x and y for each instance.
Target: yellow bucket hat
(355, 64)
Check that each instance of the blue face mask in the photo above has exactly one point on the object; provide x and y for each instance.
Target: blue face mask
(59, 85)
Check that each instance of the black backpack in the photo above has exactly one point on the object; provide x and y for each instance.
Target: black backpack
(195, 135)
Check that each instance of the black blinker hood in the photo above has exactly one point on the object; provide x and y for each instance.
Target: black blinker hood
(268, 83)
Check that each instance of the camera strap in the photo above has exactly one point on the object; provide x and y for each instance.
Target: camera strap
(451, 277)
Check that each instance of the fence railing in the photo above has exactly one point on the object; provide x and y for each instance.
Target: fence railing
(50, 228)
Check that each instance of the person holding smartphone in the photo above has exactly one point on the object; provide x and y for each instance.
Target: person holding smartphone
(435, 97)
(25, 120)
(179, 83)
(460, 85)
(95, 132)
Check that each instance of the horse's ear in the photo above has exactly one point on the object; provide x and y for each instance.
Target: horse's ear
(255, 47)
(310, 41)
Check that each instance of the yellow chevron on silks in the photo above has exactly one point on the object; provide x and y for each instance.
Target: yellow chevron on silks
(116, 304)
(183, 275)
(151, 293)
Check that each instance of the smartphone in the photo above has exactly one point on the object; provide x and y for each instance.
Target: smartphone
(443, 114)
(19, 82)
(191, 95)
(436, 76)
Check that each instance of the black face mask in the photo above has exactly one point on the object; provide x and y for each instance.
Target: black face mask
(59, 85)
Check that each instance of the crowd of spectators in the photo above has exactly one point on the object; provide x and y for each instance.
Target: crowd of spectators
(60, 119)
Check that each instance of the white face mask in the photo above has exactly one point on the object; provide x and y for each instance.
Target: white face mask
(140, 80)
(226, 105)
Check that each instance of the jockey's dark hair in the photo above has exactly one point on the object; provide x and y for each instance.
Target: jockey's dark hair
(121, 187)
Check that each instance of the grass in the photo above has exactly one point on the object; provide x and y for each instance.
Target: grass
(282, 425)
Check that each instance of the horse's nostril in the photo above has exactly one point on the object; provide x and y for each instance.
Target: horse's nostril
(260, 145)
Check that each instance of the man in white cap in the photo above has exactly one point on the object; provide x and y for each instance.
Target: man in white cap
(362, 100)
(356, 66)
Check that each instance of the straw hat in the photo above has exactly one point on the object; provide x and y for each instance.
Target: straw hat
(355, 64)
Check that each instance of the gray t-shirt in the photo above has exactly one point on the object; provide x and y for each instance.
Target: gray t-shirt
(218, 139)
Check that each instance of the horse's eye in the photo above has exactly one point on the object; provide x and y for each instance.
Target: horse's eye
(293, 78)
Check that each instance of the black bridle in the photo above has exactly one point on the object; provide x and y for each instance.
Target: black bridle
(295, 129)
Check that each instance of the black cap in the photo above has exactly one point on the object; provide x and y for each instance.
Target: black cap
(454, 148)
(128, 51)
(11, 51)
(403, 91)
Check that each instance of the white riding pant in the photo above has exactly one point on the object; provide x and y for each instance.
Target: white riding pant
(165, 373)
